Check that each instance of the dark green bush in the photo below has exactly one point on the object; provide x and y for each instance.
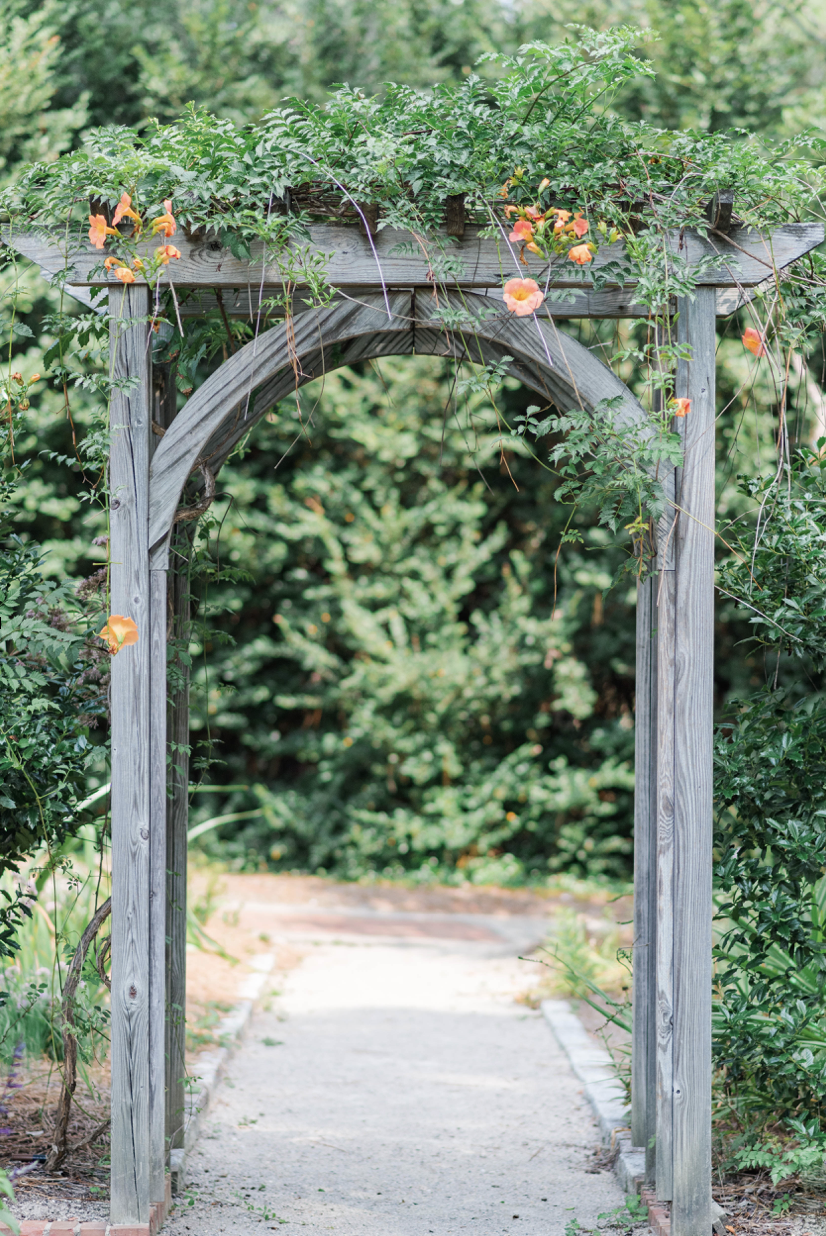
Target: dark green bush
(770, 1028)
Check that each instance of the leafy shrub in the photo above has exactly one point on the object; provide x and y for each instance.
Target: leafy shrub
(407, 695)
(770, 1027)
(52, 680)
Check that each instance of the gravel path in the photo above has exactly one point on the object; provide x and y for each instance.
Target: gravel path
(396, 1089)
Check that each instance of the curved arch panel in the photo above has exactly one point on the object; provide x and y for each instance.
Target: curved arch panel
(315, 342)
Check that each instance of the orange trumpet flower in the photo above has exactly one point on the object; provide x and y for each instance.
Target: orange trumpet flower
(99, 230)
(522, 231)
(119, 632)
(580, 254)
(522, 296)
(753, 340)
(165, 252)
(165, 223)
(124, 210)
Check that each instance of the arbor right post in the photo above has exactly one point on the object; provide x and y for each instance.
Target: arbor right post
(684, 811)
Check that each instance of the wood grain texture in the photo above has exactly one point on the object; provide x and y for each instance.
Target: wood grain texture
(244, 303)
(157, 887)
(177, 822)
(644, 1038)
(226, 407)
(748, 258)
(664, 931)
(693, 734)
(171, 775)
(130, 696)
(164, 403)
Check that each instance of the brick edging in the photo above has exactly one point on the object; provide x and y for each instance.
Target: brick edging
(659, 1219)
(100, 1227)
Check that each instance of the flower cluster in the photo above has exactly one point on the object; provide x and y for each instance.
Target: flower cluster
(164, 225)
(543, 231)
(552, 229)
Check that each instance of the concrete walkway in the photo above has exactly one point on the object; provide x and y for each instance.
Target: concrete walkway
(396, 1089)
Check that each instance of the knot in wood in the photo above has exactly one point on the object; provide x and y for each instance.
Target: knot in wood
(133, 991)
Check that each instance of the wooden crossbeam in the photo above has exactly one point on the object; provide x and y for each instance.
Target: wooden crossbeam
(394, 258)
(244, 304)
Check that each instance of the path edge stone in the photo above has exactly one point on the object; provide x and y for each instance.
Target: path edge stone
(593, 1066)
(212, 1065)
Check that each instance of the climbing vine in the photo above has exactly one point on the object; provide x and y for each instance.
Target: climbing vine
(527, 150)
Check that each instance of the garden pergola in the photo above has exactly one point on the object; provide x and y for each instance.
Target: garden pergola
(388, 304)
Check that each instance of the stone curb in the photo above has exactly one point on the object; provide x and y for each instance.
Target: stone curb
(593, 1067)
(212, 1065)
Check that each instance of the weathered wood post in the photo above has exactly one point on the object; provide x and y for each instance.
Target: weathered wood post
(163, 786)
(157, 893)
(177, 819)
(130, 423)
(643, 1042)
(685, 634)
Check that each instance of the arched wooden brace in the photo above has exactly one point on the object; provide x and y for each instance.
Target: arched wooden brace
(229, 403)
(562, 371)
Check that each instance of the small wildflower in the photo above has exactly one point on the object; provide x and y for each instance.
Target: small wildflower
(124, 274)
(680, 407)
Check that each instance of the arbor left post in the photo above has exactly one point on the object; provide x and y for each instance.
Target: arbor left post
(130, 427)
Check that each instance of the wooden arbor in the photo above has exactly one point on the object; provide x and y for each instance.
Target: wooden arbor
(388, 306)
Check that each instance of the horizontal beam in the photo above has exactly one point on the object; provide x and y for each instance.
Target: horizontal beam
(353, 260)
(614, 303)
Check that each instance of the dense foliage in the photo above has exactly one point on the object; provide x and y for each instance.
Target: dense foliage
(771, 768)
(401, 692)
(52, 682)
